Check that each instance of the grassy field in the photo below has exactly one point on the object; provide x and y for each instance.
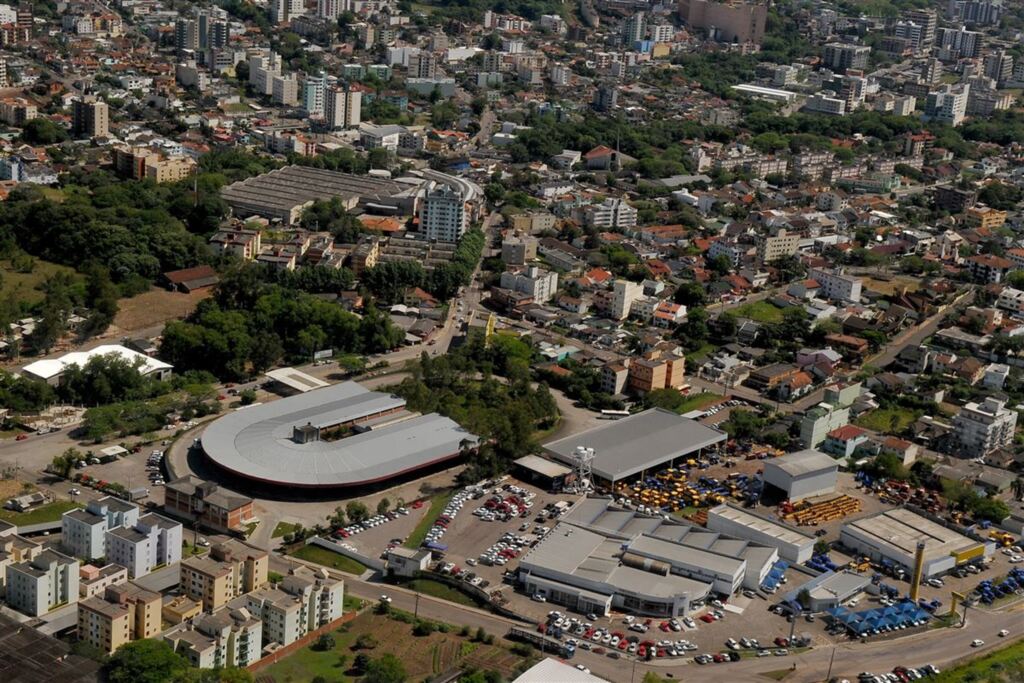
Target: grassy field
(700, 354)
(283, 528)
(887, 420)
(890, 285)
(328, 558)
(422, 656)
(420, 532)
(51, 512)
(24, 287)
(1002, 666)
(154, 307)
(697, 401)
(759, 311)
(440, 590)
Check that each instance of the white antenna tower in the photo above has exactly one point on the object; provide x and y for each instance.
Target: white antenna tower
(583, 464)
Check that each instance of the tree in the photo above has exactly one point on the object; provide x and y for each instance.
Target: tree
(992, 509)
(42, 131)
(324, 642)
(63, 463)
(366, 641)
(356, 511)
(690, 294)
(1017, 486)
(361, 662)
(383, 506)
(145, 661)
(247, 397)
(821, 546)
(386, 669)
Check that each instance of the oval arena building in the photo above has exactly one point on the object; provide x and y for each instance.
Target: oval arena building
(338, 436)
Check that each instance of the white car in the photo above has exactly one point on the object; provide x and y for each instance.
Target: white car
(1004, 633)
(385, 599)
(1016, 558)
(977, 642)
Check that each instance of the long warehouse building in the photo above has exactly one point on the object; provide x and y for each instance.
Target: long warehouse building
(792, 545)
(892, 536)
(637, 444)
(602, 557)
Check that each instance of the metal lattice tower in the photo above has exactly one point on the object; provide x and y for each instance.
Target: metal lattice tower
(583, 461)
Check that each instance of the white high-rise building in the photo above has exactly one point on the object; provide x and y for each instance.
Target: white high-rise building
(981, 428)
(283, 11)
(443, 214)
(153, 542)
(538, 283)
(83, 532)
(330, 9)
(37, 586)
(948, 105)
(342, 107)
(262, 69)
(285, 90)
(624, 293)
(314, 92)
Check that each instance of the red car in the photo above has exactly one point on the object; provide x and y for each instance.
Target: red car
(641, 651)
(719, 658)
(21, 437)
(541, 628)
(417, 505)
(663, 626)
(782, 642)
(707, 618)
(623, 644)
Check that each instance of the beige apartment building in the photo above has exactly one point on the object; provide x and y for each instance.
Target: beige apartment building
(124, 613)
(231, 569)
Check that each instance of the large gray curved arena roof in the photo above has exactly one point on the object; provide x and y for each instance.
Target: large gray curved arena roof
(256, 442)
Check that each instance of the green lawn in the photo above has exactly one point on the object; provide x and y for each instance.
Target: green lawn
(250, 528)
(351, 603)
(1005, 665)
(759, 311)
(189, 550)
(700, 354)
(51, 512)
(420, 532)
(697, 401)
(887, 420)
(329, 558)
(441, 590)
(22, 287)
(283, 528)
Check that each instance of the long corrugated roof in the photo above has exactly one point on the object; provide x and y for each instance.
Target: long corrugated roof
(633, 444)
(256, 442)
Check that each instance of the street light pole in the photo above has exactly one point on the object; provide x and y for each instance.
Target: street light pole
(416, 610)
(828, 676)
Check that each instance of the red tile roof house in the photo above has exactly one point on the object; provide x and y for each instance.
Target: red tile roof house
(843, 442)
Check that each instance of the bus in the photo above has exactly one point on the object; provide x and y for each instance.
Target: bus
(614, 414)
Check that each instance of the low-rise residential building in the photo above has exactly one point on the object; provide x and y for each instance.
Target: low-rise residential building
(227, 637)
(836, 285)
(229, 570)
(303, 602)
(154, 541)
(83, 531)
(39, 585)
(122, 614)
(538, 283)
(981, 428)
(844, 441)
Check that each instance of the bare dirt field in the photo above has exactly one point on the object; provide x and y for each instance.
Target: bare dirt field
(154, 307)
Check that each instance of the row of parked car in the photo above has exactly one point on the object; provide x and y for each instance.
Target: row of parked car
(440, 527)
(901, 674)
(370, 523)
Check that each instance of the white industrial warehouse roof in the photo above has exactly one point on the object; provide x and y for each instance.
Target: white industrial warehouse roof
(762, 525)
(900, 531)
(256, 442)
(51, 367)
(553, 671)
(296, 379)
(636, 443)
(803, 462)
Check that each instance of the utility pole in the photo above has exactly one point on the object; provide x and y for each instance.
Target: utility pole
(416, 610)
(828, 676)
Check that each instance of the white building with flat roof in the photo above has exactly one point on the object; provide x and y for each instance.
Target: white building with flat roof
(41, 584)
(792, 545)
(83, 532)
(981, 428)
(443, 214)
(802, 474)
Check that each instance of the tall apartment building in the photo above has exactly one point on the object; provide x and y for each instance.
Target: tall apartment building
(283, 11)
(229, 570)
(927, 18)
(611, 213)
(538, 283)
(83, 531)
(330, 9)
(152, 542)
(624, 293)
(731, 21)
(422, 64)
(842, 56)
(314, 93)
(231, 636)
(999, 66)
(443, 214)
(264, 65)
(836, 286)
(655, 371)
(90, 118)
(37, 586)
(342, 107)
(304, 601)
(285, 90)
(981, 428)
(123, 613)
(634, 28)
(205, 29)
(958, 43)
(773, 247)
(948, 105)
